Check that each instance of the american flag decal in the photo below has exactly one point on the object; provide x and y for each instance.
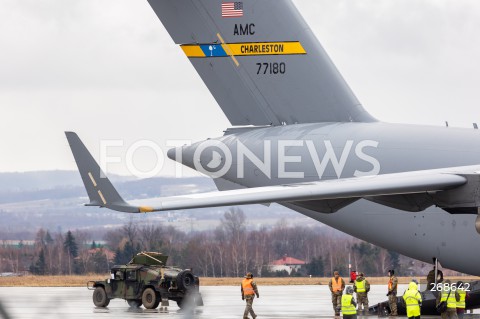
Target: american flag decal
(232, 9)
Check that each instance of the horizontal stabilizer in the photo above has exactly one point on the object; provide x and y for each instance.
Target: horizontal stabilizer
(102, 193)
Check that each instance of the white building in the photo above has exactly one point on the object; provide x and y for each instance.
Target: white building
(286, 263)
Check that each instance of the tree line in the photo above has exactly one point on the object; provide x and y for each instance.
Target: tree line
(230, 250)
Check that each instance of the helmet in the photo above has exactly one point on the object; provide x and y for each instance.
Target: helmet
(349, 290)
(249, 275)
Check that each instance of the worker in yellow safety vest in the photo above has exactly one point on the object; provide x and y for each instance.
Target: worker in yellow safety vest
(413, 301)
(336, 285)
(461, 304)
(249, 290)
(361, 286)
(348, 304)
(450, 296)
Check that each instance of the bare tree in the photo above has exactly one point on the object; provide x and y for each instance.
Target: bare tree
(233, 223)
(151, 237)
(232, 249)
(130, 231)
(220, 245)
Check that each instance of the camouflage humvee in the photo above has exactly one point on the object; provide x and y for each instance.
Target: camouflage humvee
(146, 280)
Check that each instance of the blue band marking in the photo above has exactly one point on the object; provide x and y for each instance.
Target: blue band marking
(213, 50)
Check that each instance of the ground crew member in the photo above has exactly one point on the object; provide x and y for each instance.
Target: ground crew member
(461, 303)
(249, 290)
(450, 297)
(362, 287)
(413, 301)
(336, 286)
(431, 278)
(392, 292)
(348, 304)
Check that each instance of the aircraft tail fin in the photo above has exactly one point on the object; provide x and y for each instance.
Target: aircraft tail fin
(99, 188)
(260, 61)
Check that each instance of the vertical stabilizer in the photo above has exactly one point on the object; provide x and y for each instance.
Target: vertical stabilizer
(260, 61)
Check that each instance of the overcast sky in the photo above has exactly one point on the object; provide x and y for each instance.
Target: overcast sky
(107, 69)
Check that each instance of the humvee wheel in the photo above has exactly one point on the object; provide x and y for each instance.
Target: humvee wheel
(150, 299)
(185, 280)
(100, 297)
(134, 303)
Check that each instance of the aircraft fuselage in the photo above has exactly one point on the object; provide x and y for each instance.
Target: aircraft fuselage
(312, 152)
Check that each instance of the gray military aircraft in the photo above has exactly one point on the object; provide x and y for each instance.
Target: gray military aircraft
(301, 138)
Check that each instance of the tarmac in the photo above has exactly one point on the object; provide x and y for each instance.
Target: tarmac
(223, 302)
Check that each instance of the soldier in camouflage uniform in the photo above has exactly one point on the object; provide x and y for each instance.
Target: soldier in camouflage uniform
(361, 286)
(249, 290)
(450, 297)
(392, 293)
(336, 286)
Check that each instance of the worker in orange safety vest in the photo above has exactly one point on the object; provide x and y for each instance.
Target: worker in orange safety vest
(249, 290)
(336, 285)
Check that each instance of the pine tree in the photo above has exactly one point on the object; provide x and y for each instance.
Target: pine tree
(48, 238)
(316, 266)
(93, 246)
(395, 261)
(71, 248)
(100, 262)
(70, 245)
(118, 257)
(39, 267)
(128, 252)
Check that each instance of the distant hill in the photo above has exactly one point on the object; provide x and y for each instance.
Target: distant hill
(37, 180)
(41, 180)
(56, 185)
(54, 200)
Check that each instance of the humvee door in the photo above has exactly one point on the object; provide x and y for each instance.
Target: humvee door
(117, 283)
(132, 285)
